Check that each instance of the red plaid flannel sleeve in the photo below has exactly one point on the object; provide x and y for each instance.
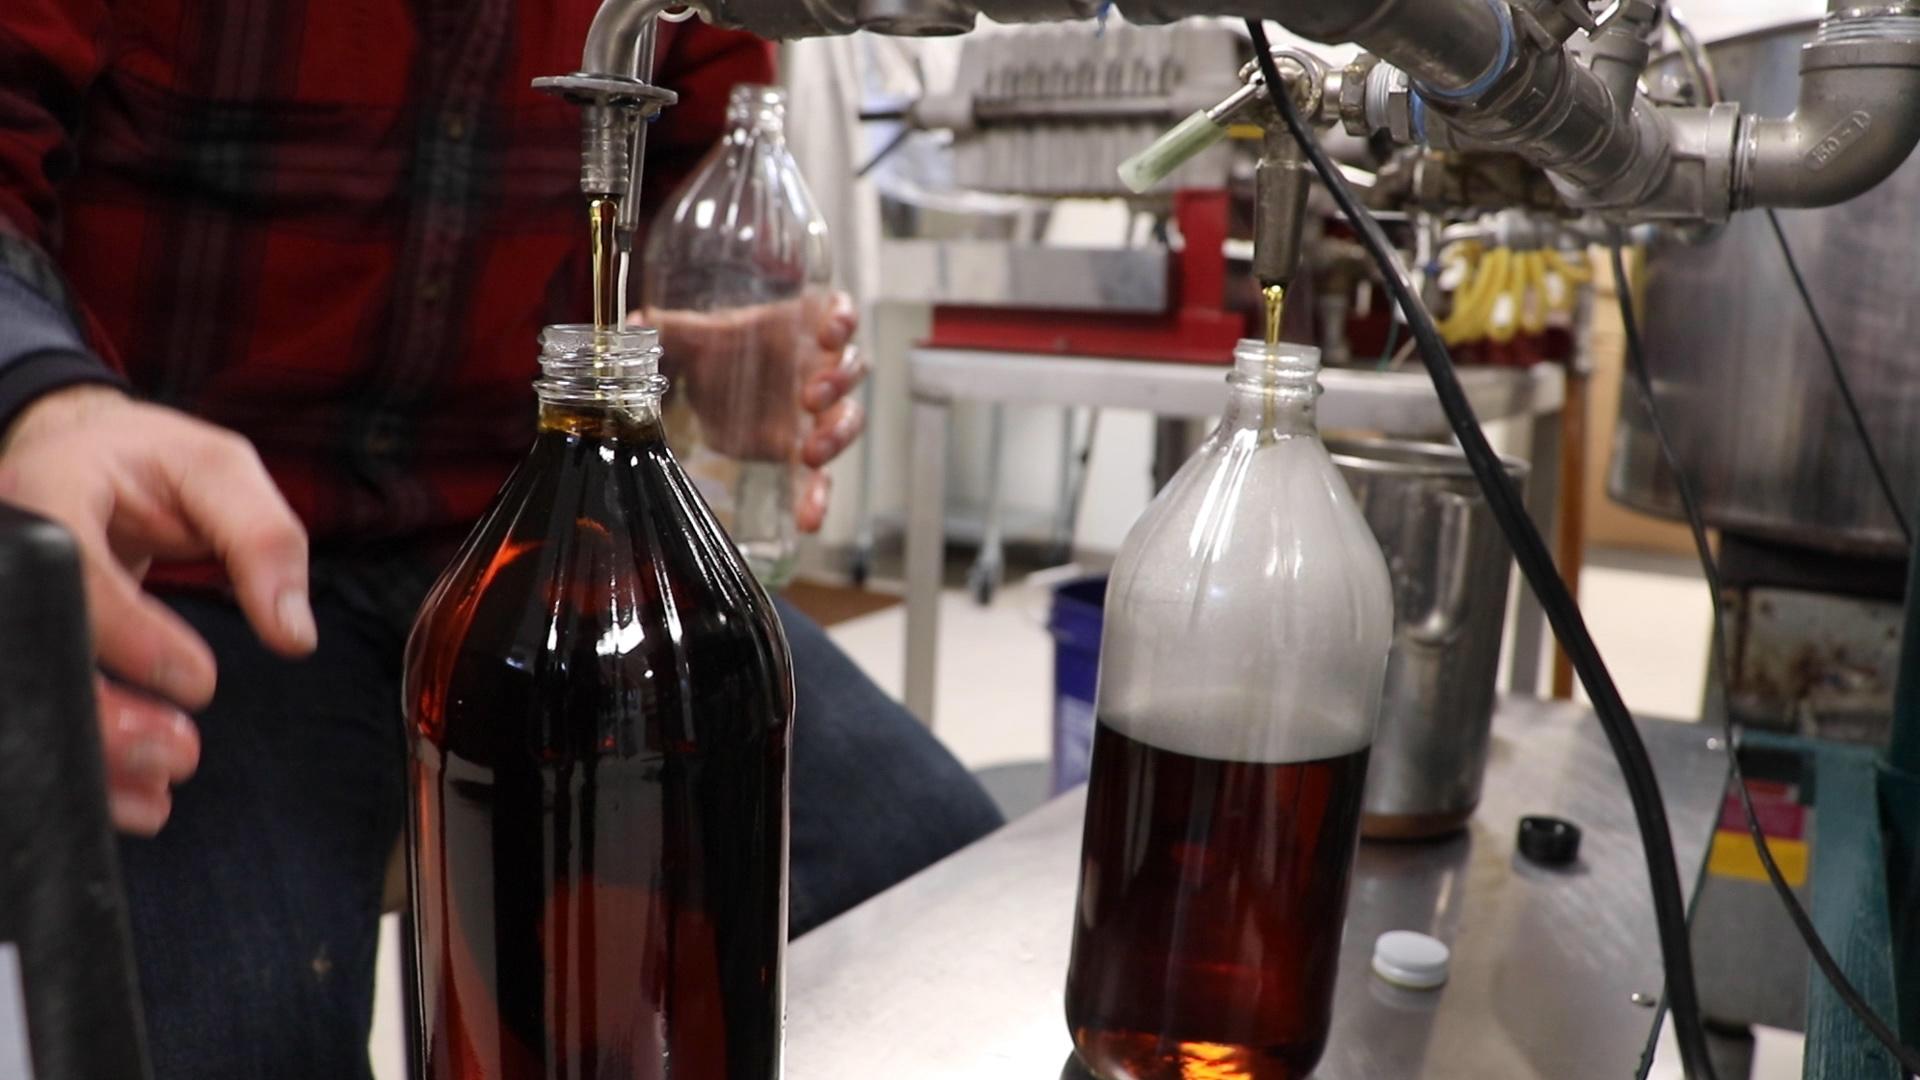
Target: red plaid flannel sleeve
(50, 53)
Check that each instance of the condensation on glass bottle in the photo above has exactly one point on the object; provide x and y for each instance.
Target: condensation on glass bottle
(741, 251)
(600, 702)
(1247, 628)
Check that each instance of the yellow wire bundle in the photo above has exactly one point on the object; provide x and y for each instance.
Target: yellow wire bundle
(1503, 291)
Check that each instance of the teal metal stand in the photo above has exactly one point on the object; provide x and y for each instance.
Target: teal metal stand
(1866, 876)
(1900, 813)
(1851, 910)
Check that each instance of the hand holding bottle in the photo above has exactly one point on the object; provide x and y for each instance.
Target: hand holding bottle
(743, 245)
(745, 412)
(134, 483)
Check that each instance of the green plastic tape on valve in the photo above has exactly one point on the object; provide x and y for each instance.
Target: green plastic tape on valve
(1170, 151)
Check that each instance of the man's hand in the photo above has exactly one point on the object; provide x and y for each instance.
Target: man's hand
(134, 483)
(744, 413)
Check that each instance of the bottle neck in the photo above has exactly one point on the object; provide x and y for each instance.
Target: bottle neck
(758, 111)
(1273, 389)
(593, 379)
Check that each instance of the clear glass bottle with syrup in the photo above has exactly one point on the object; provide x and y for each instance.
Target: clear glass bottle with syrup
(1247, 629)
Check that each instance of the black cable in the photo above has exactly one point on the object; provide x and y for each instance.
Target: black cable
(899, 140)
(1643, 382)
(1840, 380)
(1536, 563)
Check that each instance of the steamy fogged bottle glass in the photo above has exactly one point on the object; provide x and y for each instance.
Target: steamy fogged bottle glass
(1247, 628)
(600, 701)
(740, 258)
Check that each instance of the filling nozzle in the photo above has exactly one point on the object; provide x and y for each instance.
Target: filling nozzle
(615, 91)
(1279, 221)
(1280, 209)
(614, 111)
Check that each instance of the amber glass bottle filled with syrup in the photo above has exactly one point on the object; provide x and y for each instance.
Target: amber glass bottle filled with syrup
(600, 703)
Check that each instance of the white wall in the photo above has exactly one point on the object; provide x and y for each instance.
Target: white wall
(1719, 18)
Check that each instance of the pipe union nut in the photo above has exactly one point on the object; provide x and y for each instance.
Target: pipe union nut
(1353, 94)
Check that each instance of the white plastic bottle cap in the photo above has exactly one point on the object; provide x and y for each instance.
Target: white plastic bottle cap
(1412, 960)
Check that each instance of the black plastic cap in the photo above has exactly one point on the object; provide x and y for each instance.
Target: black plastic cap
(1549, 841)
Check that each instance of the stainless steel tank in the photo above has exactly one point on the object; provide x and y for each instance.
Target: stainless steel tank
(1742, 386)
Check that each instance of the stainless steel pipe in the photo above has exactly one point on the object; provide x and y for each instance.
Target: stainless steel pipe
(1857, 120)
(1484, 77)
(620, 40)
(1450, 46)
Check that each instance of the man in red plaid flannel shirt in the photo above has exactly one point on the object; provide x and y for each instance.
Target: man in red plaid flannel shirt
(270, 276)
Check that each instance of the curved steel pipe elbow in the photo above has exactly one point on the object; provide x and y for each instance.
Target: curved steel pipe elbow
(620, 41)
(1858, 118)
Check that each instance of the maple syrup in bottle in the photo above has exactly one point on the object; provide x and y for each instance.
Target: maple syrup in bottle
(1251, 861)
(1248, 621)
(600, 701)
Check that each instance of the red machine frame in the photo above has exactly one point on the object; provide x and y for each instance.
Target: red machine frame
(1199, 329)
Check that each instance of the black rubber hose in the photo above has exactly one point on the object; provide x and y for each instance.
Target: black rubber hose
(1536, 564)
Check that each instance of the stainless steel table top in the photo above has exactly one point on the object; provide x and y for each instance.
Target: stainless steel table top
(1397, 403)
(957, 973)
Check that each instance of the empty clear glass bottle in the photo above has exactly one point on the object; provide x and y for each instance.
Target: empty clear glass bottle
(1247, 629)
(600, 703)
(740, 260)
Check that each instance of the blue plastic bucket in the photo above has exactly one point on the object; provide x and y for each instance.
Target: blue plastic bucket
(1079, 608)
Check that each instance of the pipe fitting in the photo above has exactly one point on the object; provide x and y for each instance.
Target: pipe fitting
(1354, 94)
(1558, 18)
(1855, 123)
(1698, 185)
(1560, 116)
(1618, 54)
(620, 38)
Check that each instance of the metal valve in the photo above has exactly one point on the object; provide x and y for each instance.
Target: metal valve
(1283, 175)
(1306, 79)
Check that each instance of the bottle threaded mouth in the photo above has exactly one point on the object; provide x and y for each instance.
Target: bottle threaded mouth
(1285, 366)
(759, 105)
(587, 365)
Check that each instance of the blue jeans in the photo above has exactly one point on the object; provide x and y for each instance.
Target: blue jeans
(256, 910)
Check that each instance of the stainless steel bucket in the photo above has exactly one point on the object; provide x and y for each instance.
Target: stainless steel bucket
(1450, 569)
